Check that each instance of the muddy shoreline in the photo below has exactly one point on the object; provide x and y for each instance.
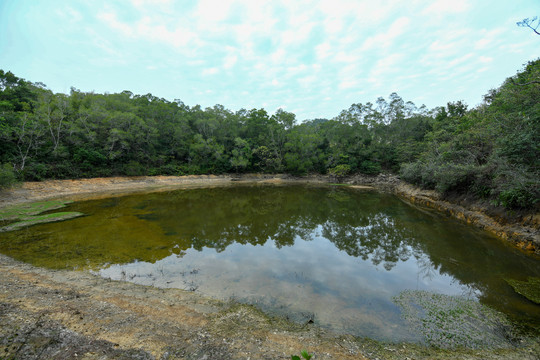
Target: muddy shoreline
(74, 314)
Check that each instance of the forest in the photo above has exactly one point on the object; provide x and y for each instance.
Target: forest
(489, 152)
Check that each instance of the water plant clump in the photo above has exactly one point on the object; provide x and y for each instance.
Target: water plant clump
(451, 322)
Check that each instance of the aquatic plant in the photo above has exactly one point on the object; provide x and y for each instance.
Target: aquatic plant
(452, 321)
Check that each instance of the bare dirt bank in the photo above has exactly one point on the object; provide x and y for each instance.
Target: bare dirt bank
(47, 314)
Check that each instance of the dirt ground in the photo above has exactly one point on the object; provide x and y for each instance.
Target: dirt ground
(60, 314)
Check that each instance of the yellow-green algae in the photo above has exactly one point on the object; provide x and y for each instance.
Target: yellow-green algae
(23, 215)
(89, 242)
(530, 288)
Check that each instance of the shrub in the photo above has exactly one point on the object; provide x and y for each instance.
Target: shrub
(411, 173)
(454, 177)
(340, 171)
(7, 176)
(518, 198)
(133, 168)
(369, 167)
(36, 171)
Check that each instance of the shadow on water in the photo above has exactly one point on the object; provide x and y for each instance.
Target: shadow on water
(332, 255)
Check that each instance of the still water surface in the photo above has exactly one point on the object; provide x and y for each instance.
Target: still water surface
(333, 255)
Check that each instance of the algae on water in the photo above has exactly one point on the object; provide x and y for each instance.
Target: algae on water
(451, 322)
(530, 288)
(24, 215)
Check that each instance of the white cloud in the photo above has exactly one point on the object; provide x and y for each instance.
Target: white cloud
(348, 84)
(485, 59)
(323, 50)
(278, 56)
(385, 67)
(307, 81)
(210, 71)
(445, 7)
(212, 11)
(148, 29)
(230, 60)
(386, 39)
(488, 38)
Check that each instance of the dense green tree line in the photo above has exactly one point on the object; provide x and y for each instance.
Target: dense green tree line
(490, 151)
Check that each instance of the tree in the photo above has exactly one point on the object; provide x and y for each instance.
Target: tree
(28, 135)
(340, 171)
(7, 176)
(240, 155)
(53, 111)
(530, 23)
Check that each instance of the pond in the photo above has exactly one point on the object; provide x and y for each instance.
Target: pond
(331, 255)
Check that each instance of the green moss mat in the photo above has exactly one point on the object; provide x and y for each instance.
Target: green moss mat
(18, 212)
(530, 288)
(40, 219)
(24, 215)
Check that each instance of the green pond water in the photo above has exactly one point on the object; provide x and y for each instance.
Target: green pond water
(333, 255)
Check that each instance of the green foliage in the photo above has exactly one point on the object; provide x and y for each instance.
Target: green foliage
(490, 151)
(7, 176)
(304, 354)
(340, 171)
(518, 198)
(370, 167)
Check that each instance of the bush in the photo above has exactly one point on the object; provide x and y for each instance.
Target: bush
(369, 167)
(454, 177)
(133, 168)
(7, 176)
(36, 172)
(518, 198)
(340, 170)
(411, 173)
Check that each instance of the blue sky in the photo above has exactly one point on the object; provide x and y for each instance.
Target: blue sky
(312, 58)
